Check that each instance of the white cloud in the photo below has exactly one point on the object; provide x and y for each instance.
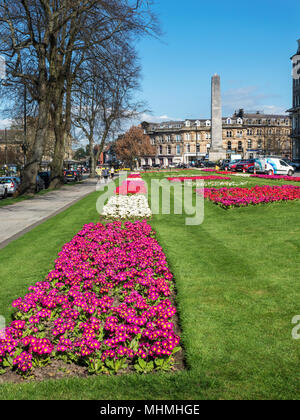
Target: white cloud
(156, 118)
(273, 109)
(5, 123)
(250, 98)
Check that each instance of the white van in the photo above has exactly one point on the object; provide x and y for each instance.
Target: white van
(273, 166)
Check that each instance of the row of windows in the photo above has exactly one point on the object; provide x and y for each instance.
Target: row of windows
(187, 148)
(228, 121)
(259, 144)
(229, 134)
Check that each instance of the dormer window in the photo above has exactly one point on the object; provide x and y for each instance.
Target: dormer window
(239, 121)
(187, 123)
(198, 123)
(228, 121)
(208, 123)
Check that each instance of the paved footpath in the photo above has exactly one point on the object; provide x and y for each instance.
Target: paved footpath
(19, 218)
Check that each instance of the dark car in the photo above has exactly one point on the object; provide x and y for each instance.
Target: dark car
(70, 176)
(146, 167)
(294, 163)
(245, 165)
(46, 178)
(208, 164)
(40, 184)
(225, 164)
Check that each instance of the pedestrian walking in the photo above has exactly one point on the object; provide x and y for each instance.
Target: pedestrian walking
(105, 175)
(112, 173)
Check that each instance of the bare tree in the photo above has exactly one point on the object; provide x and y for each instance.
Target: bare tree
(45, 42)
(104, 99)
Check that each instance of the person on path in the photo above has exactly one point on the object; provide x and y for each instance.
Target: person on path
(112, 172)
(105, 175)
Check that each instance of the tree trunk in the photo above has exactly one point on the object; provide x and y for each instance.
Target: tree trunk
(60, 134)
(57, 163)
(93, 157)
(28, 184)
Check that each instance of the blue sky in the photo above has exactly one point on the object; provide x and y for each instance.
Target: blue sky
(248, 43)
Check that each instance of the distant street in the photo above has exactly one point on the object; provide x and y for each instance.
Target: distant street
(18, 218)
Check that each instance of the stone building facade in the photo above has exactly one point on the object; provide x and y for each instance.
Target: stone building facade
(247, 134)
(12, 142)
(295, 110)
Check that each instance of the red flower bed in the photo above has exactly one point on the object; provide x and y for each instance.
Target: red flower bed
(132, 187)
(106, 305)
(134, 176)
(194, 178)
(226, 172)
(284, 177)
(241, 197)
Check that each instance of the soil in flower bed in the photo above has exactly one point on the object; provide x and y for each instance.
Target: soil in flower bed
(107, 308)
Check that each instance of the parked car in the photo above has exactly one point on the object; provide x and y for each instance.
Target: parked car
(245, 165)
(225, 163)
(146, 167)
(208, 164)
(233, 164)
(182, 166)
(274, 166)
(70, 176)
(11, 184)
(3, 191)
(40, 184)
(294, 163)
(46, 178)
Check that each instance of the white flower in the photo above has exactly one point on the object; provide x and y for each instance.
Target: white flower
(133, 206)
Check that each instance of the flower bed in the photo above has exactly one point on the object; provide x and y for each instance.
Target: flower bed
(278, 177)
(241, 197)
(127, 207)
(134, 176)
(194, 178)
(132, 187)
(226, 172)
(106, 305)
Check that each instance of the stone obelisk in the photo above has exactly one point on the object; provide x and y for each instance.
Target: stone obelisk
(217, 151)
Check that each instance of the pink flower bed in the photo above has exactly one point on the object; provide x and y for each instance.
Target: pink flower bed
(194, 178)
(106, 305)
(226, 172)
(134, 176)
(132, 187)
(241, 197)
(218, 172)
(284, 177)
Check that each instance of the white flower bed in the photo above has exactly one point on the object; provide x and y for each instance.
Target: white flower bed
(127, 207)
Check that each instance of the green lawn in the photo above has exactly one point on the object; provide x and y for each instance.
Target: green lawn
(237, 292)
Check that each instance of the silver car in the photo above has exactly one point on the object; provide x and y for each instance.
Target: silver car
(3, 191)
(11, 184)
